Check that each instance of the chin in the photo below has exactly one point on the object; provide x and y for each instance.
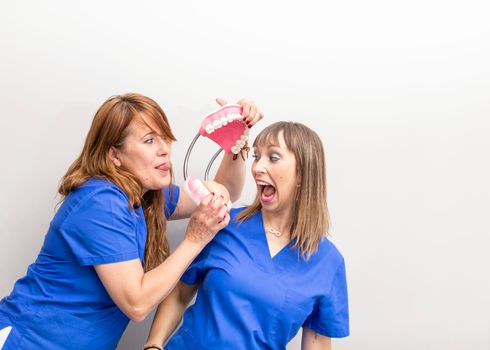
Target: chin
(164, 184)
(160, 185)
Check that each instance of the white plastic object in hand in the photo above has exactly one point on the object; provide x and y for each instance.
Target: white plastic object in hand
(196, 189)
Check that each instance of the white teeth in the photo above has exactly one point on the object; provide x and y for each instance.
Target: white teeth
(223, 120)
(235, 149)
(262, 183)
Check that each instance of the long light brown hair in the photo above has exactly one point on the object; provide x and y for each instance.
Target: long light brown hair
(109, 129)
(310, 220)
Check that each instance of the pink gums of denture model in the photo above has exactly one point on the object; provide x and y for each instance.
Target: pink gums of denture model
(196, 189)
(226, 127)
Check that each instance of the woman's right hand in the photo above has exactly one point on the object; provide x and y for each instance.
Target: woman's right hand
(209, 217)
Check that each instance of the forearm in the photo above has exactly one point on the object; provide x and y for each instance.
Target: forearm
(135, 292)
(169, 314)
(311, 340)
(157, 284)
(166, 319)
(231, 174)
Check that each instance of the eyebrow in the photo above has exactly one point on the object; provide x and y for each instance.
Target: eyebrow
(148, 133)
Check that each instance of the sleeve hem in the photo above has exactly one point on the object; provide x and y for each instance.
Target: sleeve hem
(189, 280)
(97, 260)
(170, 206)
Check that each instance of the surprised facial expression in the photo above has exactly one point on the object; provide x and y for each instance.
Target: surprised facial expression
(274, 171)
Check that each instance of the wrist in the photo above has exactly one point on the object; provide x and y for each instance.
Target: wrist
(152, 347)
(192, 245)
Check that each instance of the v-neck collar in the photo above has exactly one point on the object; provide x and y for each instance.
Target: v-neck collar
(282, 260)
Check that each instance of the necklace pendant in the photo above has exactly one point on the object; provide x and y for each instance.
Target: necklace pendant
(275, 232)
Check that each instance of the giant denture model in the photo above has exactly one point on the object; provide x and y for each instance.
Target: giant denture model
(225, 127)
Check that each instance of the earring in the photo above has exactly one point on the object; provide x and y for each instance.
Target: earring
(117, 162)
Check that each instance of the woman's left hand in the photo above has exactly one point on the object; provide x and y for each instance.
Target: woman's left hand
(250, 113)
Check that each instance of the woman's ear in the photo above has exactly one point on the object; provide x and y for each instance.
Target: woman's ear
(113, 156)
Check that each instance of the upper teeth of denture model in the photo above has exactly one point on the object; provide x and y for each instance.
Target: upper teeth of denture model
(225, 126)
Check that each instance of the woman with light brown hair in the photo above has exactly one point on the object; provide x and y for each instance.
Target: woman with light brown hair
(272, 270)
(105, 258)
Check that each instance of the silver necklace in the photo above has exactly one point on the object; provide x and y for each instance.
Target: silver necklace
(274, 232)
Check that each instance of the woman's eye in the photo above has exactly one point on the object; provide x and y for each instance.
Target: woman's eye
(255, 156)
(274, 158)
(150, 140)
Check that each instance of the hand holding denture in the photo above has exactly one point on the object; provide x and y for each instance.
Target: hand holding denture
(250, 113)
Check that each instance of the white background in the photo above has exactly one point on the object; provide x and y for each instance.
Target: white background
(398, 91)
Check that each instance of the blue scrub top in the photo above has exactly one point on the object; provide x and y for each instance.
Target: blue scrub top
(248, 300)
(61, 302)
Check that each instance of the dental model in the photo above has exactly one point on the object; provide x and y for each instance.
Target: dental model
(226, 127)
(196, 189)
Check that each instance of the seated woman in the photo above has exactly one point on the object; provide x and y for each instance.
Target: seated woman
(272, 270)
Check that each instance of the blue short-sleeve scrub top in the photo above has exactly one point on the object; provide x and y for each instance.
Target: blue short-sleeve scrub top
(248, 300)
(61, 302)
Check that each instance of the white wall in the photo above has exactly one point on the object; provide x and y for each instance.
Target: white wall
(398, 91)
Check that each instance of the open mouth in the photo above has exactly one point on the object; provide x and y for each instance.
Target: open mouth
(267, 191)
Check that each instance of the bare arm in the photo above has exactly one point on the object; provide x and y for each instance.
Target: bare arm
(231, 174)
(135, 292)
(311, 340)
(170, 313)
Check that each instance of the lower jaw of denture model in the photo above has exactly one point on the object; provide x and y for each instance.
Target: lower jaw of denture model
(225, 126)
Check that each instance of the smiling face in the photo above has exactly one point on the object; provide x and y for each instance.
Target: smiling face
(274, 171)
(145, 154)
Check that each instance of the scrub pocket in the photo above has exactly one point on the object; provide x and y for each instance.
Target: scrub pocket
(62, 331)
(4, 334)
(294, 312)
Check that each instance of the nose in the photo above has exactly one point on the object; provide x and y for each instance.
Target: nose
(259, 166)
(163, 146)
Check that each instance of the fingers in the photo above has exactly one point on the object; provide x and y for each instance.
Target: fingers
(206, 200)
(216, 205)
(210, 217)
(250, 113)
(224, 222)
(219, 212)
(223, 211)
(221, 101)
